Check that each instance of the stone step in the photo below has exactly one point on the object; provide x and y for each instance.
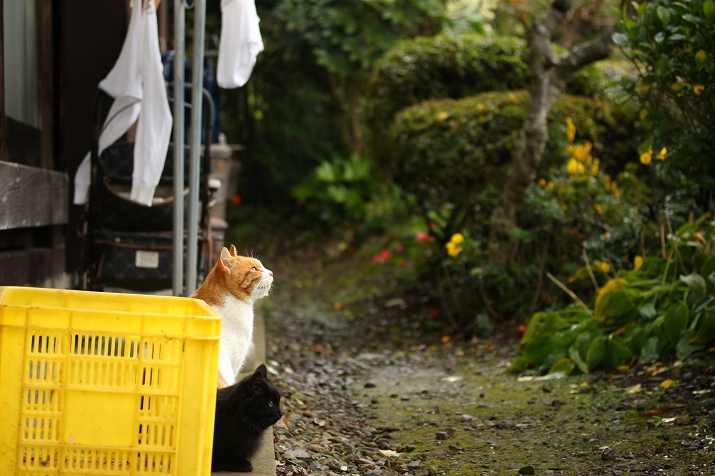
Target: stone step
(264, 463)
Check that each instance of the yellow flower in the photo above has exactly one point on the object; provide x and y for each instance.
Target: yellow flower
(457, 238)
(571, 129)
(698, 88)
(580, 152)
(601, 266)
(542, 182)
(598, 207)
(637, 263)
(453, 249)
(550, 186)
(647, 156)
(701, 56)
(643, 114)
(677, 86)
(663, 152)
(594, 168)
(607, 236)
(575, 167)
(441, 116)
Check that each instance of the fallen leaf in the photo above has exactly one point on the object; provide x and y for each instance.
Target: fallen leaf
(650, 413)
(624, 368)
(445, 339)
(637, 388)
(389, 453)
(669, 383)
(338, 305)
(320, 423)
(452, 378)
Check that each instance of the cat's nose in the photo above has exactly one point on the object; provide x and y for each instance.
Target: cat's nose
(271, 273)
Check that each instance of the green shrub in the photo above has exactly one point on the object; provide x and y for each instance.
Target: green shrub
(453, 67)
(672, 44)
(662, 306)
(452, 155)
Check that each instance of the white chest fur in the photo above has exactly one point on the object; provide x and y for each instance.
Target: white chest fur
(236, 335)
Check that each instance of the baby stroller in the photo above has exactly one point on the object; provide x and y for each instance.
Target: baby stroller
(128, 245)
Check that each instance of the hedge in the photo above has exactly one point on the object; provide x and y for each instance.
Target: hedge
(452, 67)
(455, 152)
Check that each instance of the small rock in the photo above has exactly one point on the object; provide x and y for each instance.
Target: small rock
(297, 454)
(466, 417)
(432, 471)
(527, 470)
(383, 444)
(409, 448)
(608, 454)
(442, 435)
(314, 466)
(374, 400)
(414, 464)
(363, 461)
(370, 385)
(375, 472)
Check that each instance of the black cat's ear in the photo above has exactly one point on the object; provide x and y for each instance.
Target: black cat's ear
(262, 371)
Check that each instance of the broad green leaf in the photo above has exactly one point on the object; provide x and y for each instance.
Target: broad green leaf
(686, 346)
(619, 352)
(647, 311)
(675, 321)
(696, 283)
(664, 15)
(564, 365)
(519, 364)
(612, 300)
(620, 39)
(706, 332)
(702, 303)
(661, 66)
(659, 38)
(537, 348)
(653, 347)
(708, 270)
(709, 10)
(576, 358)
(596, 352)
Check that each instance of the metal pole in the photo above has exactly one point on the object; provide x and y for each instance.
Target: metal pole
(179, 45)
(195, 144)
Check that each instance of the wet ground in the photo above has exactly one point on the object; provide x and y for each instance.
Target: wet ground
(369, 392)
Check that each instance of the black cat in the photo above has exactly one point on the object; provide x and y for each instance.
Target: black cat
(243, 412)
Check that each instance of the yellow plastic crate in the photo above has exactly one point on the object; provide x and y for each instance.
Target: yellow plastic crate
(106, 384)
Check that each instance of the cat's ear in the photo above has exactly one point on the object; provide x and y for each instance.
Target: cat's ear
(224, 261)
(262, 371)
(232, 251)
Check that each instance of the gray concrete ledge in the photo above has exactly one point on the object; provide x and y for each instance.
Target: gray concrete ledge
(264, 463)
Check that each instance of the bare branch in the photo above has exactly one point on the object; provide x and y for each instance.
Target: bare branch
(596, 50)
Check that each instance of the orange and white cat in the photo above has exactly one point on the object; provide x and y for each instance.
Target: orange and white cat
(231, 288)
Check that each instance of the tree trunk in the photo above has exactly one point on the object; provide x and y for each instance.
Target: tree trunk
(549, 74)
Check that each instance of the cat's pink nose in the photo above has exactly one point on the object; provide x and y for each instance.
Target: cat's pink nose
(271, 273)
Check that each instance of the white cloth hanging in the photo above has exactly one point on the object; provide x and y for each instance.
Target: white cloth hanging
(137, 83)
(240, 42)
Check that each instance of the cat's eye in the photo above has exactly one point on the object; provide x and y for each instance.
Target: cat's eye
(254, 269)
(270, 404)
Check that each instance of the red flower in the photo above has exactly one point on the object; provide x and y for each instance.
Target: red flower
(385, 254)
(421, 237)
(434, 313)
(520, 331)
(236, 199)
(377, 259)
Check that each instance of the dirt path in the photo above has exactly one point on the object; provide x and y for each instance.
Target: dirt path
(369, 394)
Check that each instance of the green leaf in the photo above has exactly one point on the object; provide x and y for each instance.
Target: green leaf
(686, 346)
(576, 358)
(709, 10)
(696, 283)
(620, 39)
(564, 366)
(702, 303)
(659, 38)
(707, 327)
(617, 352)
(596, 352)
(519, 364)
(653, 347)
(675, 321)
(647, 311)
(664, 15)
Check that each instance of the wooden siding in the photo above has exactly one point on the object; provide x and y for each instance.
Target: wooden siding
(32, 197)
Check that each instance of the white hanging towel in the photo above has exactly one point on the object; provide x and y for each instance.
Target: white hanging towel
(240, 42)
(137, 84)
